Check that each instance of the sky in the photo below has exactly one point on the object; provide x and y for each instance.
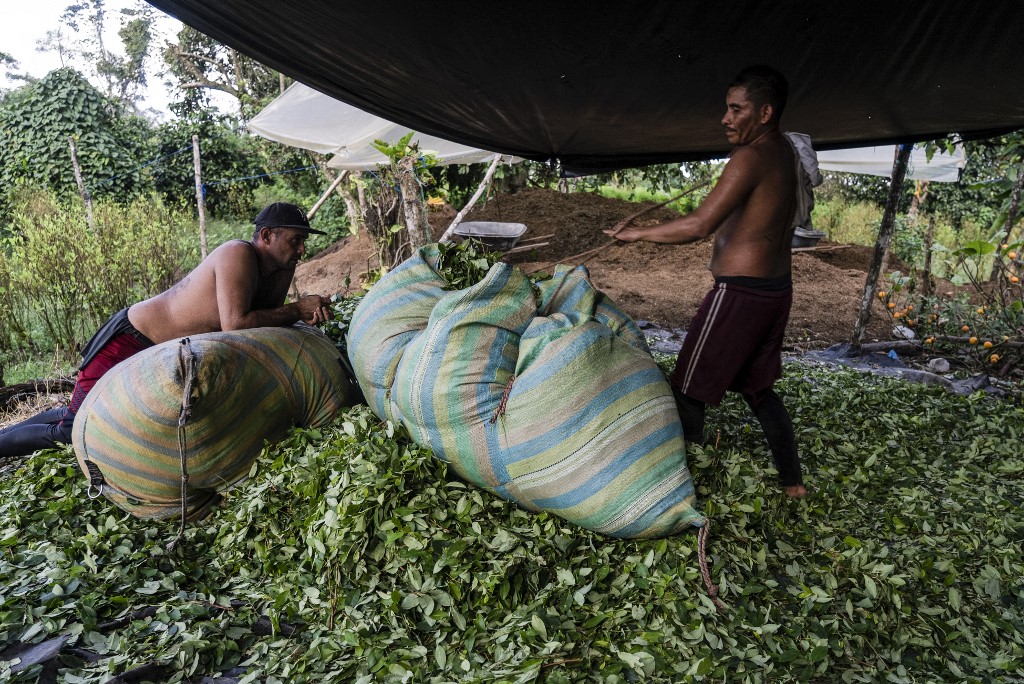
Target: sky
(24, 22)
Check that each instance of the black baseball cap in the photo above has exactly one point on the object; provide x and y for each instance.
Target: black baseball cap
(284, 215)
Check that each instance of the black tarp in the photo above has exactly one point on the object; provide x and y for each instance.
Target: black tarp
(602, 85)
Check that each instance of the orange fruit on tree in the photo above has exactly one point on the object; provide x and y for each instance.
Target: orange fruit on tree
(929, 340)
(892, 305)
(973, 340)
(881, 295)
(965, 328)
(987, 345)
(994, 358)
(1014, 279)
(1012, 255)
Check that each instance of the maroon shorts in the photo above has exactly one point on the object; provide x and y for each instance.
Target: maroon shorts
(733, 343)
(112, 353)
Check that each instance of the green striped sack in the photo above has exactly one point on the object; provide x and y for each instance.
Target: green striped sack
(552, 401)
(250, 386)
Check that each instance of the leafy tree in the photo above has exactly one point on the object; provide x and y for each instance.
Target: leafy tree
(201, 64)
(122, 77)
(35, 123)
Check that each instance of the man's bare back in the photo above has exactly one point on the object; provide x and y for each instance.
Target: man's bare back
(241, 284)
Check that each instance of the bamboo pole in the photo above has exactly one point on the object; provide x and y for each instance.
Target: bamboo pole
(86, 197)
(200, 202)
(319, 203)
(472, 200)
(885, 230)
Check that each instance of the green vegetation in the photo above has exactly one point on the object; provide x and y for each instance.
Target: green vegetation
(60, 279)
(351, 557)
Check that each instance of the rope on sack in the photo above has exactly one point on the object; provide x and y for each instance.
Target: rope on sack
(188, 362)
(702, 558)
(504, 400)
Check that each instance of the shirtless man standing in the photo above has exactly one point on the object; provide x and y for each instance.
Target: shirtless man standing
(241, 284)
(734, 341)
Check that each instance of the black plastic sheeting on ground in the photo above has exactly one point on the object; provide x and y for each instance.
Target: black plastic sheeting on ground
(889, 364)
(616, 85)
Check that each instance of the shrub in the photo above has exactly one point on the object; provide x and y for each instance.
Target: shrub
(63, 278)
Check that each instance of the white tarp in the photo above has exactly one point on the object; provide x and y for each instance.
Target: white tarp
(303, 117)
(306, 118)
(877, 161)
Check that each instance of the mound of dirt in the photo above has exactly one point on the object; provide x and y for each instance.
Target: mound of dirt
(663, 284)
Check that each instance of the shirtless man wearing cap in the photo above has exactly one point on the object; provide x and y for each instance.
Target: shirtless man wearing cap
(241, 284)
(735, 339)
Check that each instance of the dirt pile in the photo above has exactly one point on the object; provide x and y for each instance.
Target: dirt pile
(663, 284)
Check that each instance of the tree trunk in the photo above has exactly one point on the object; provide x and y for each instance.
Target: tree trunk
(86, 198)
(926, 276)
(412, 206)
(885, 230)
(1011, 216)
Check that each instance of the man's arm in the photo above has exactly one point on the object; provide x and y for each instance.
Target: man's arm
(235, 275)
(737, 181)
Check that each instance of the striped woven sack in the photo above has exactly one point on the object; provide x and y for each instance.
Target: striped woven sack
(247, 387)
(553, 401)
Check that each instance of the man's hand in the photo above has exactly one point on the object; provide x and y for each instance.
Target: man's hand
(620, 231)
(315, 309)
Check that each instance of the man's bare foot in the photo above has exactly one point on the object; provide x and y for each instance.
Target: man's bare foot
(795, 491)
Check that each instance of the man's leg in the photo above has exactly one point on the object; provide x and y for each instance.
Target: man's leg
(778, 429)
(691, 414)
(42, 431)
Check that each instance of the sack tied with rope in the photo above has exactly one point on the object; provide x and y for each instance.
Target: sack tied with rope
(201, 409)
(552, 401)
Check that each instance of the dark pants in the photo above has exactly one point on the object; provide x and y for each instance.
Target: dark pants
(45, 430)
(771, 413)
(114, 342)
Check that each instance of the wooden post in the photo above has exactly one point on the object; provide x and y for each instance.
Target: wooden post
(200, 202)
(86, 198)
(323, 198)
(929, 238)
(472, 200)
(885, 230)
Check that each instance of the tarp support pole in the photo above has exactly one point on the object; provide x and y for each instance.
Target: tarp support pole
(319, 203)
(885, 231)
(472, 200)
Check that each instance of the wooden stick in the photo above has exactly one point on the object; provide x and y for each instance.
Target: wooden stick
(316, 207)
(472, 200)
(526, 248)
(537, 237)
(629, 219)
(622, 224)
(823, 248)
(200, 202)
(577, 257)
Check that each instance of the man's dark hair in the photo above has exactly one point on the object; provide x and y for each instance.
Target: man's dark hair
(764, 85)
